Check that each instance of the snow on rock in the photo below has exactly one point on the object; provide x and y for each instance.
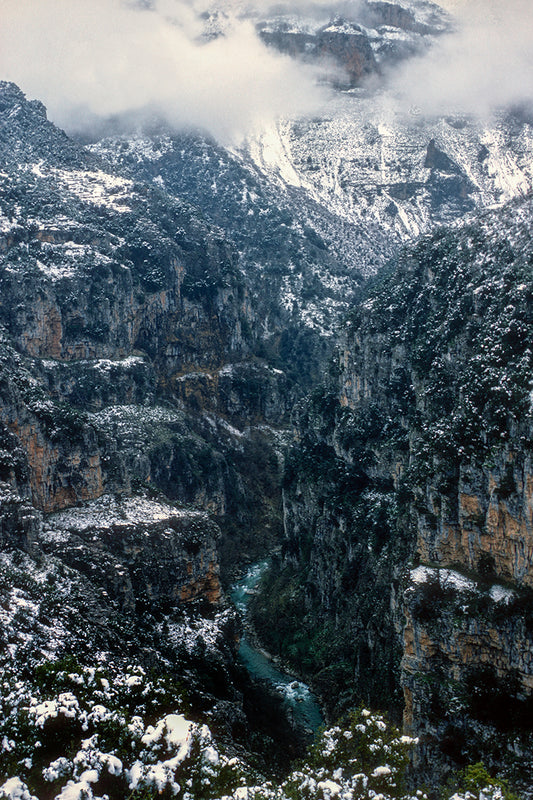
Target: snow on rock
(450, 578)
(447, 577)
(500, 594)
(96, 188)
(107, 364)
(363, 157)
(109, 511)
(270, 152)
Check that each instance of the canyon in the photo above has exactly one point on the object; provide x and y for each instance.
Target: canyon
(314, 347)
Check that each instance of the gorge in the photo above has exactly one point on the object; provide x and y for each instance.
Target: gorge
(314, 347)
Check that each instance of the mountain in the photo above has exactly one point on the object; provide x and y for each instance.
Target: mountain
(405, 575)
(313, 346)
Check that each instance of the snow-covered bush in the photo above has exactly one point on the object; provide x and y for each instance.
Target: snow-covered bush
(81, 733)
(107, 733)
(365, 758)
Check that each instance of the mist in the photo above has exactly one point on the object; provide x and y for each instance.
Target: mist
(92, 59)
(486, 63)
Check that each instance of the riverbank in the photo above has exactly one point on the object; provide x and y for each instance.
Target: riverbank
(302, 709)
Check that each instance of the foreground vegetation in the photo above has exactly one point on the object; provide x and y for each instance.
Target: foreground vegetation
(75, 732)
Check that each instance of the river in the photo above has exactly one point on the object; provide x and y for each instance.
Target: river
(299, 703)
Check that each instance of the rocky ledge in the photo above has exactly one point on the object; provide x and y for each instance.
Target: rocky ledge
(138, 549)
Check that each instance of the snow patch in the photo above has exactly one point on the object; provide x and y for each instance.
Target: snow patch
(97, 188)
(109, 511)
(451, 578)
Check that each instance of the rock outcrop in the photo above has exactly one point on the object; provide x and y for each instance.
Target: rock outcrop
(408, 512)
(138, 550)
(467, 672)
(341, 43)
(354, 47)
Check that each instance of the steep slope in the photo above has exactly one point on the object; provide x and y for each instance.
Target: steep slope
(314, 205)
(395, 173)
(407, 503)
(296, 254)
(118, 305)
(119, 300)
(386, 169)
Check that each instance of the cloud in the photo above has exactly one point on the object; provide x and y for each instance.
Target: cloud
(95, 59)
(484, 64)
(87, 58)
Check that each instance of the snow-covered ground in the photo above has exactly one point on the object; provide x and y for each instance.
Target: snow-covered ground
(451, 579)
(364, 152)
(109, 510)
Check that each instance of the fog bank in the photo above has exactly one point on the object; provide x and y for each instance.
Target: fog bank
(106, 57)
(484, 64)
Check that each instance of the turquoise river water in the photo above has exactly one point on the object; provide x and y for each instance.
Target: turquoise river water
(299, 702)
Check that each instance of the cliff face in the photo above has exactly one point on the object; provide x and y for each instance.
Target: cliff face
(357, 44)
(489, 525)
(19, 521)
(408, 497)
(132, 386)
(138, 550)
(342, 43)
(447, 339)
(129, 331)
(467, 671)
(51, 454)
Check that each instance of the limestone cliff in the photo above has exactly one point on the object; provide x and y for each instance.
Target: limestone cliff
(355, 44)
(129, 336)
(341, 43)
(443, 348)
(408, 513)
(467, 672)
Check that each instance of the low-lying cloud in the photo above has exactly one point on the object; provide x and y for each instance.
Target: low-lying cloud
(484, 64)
(101, 58)
(90, 60)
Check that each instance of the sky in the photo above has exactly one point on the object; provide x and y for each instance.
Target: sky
(98, 58)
